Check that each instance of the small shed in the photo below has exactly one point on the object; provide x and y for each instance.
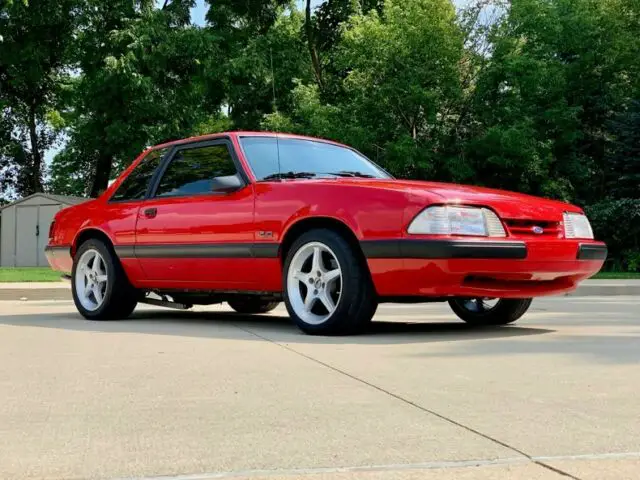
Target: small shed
(24, 228)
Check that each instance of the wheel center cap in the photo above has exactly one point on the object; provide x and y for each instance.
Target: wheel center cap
(318, 283)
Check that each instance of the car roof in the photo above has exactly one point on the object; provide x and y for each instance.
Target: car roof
(243, 133)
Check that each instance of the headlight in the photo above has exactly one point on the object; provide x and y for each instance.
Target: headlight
(448, 220)
(576, 225)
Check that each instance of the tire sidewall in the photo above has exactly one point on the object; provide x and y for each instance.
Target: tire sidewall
(505, 312)
(252, 306)
(110, 268)
(341, 250)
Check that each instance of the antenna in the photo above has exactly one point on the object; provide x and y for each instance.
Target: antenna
(278, 149)
(273, 82)
(275, 104)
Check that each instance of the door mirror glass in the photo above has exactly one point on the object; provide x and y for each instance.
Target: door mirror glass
(226, 184)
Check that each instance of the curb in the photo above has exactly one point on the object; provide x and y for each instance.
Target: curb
(595, 288)
(62, 291)
(38, 293)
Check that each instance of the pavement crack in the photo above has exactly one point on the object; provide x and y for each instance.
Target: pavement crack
(413, 404)
(554, 469)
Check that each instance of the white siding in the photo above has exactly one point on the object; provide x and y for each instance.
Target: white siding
(26, 239)
(45, 217)
(7, 241)
(27, 221)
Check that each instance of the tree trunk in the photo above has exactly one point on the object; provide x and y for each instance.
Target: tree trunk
(101, 176)
(35, 181)
(311, 43)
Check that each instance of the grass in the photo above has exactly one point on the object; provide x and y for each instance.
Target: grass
(29, 274)
(617, 276)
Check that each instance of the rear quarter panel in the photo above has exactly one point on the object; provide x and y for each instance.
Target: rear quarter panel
(117, 221)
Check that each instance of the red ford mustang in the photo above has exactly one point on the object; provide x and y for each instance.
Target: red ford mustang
(256, 218)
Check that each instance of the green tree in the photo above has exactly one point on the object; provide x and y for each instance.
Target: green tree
(323, 32)
(263, 55)
(624, 154)
(261, 75)
(34, 44)
(401, 69)
(558, 71)
(141, 82)
(239, 21)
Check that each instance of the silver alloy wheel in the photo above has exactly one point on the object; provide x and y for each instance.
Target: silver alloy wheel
(480, 305)
(314, 283)
(91, 280)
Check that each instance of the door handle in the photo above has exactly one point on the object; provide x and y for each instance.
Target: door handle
(151, 212)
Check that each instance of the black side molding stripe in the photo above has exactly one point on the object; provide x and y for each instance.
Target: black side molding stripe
(432, 249)
(225, 250)
(193, 251)
(58, 248)
(587, 251)
(125, 251)
(265, 250)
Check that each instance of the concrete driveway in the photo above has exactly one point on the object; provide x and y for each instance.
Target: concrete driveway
(210, 394)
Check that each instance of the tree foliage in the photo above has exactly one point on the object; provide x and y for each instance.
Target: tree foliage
(35, 38)
(540, 96)
(142, 82)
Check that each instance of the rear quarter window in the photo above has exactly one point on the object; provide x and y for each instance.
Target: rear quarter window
(135, 186)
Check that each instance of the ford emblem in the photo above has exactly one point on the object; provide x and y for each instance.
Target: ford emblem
(537, 230)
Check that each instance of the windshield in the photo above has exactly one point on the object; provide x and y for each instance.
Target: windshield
(301, 158)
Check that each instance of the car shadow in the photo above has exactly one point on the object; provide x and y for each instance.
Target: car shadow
(271, 327)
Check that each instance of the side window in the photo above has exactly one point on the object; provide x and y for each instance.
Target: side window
(134, 187)
(192, 171)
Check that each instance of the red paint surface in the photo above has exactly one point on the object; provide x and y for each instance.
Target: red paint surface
(372, 209)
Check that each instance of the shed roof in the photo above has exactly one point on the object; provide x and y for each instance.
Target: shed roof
(66, 199)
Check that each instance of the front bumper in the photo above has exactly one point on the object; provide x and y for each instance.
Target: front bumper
(506, 269)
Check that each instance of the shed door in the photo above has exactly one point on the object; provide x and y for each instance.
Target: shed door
(26, 239)
(45, 217)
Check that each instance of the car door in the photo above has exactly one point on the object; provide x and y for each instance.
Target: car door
(196, 229)
(122, 209)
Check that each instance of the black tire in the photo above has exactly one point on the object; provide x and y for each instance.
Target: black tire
(504, 312)
(120, 298)
(250, 306)
(358, 300)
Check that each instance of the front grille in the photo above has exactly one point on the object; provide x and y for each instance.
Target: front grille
(531, 228)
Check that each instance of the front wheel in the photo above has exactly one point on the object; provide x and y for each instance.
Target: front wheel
(327, 287)
(486, 311)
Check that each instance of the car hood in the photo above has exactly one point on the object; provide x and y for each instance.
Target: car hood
(508, 205)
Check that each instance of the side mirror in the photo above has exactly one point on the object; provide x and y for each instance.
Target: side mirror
(228, 184)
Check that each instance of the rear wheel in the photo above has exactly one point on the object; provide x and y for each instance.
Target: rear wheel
(327, 288)
(487, 311)
(252, 305)
(100, 288)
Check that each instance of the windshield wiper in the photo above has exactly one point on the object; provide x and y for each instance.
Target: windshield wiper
(350, 173)
(286, 175)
